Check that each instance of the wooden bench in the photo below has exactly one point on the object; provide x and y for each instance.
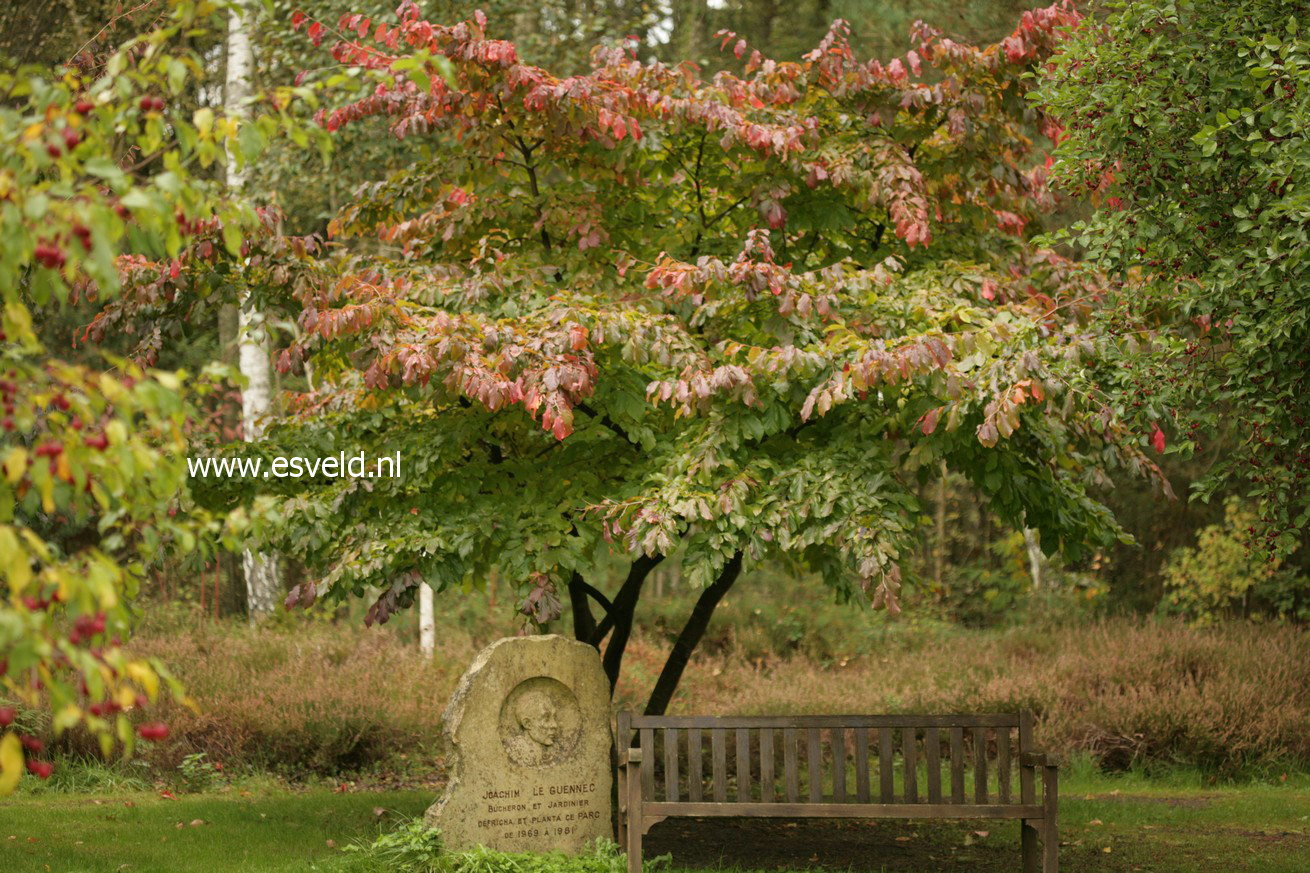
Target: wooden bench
(836, 766)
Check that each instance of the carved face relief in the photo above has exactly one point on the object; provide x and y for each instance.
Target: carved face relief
(540, 722)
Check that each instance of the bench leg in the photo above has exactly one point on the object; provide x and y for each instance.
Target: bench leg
(1029, 838)
(1051, 829)
(635, 827)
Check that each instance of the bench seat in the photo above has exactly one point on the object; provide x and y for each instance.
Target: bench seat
(837, 766)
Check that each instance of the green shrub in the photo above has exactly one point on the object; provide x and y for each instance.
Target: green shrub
(1221, 577)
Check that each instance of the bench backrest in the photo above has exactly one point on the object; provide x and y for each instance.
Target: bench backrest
(878, 759)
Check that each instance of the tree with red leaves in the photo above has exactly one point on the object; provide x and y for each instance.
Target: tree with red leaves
(639, 314)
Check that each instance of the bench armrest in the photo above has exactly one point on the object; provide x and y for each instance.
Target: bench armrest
(629, 756)
(1032, 759)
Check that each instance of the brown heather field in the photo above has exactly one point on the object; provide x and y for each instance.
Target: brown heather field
(331, 699)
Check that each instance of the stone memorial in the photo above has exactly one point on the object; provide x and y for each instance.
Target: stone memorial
(529, 734)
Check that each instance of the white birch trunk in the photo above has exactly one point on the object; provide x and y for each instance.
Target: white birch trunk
(1034, 556)
(253, 358)
(427, 620)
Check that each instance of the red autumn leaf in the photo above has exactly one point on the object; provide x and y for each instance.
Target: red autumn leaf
(1157, 439)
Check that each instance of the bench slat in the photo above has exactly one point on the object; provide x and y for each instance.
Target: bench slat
(886, 773)
(789, 764)
(826, 721)
(648, 764)
(910, 749)
(979, 765)
(932, 747)
(695, 779)
(957, 765)
(844, 810)
(718, 747)
(814, 755)
(862, 765)
(743, 764)
(671, 764)
(838, 765)
(1003, 764)
(766, 765)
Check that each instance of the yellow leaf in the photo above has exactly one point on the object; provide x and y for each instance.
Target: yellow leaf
(145, 677)
(67, 717)
(15, 464)
(204, 121)
(17, 566)
(11, 763)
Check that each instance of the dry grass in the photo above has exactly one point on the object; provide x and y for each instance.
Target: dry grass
(327, 699)
(1126, 692)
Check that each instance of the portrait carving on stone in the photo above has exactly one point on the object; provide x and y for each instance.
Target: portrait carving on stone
(540, 723)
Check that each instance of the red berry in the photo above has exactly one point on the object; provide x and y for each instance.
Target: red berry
(54, 150)
(8, 424)
(97, 441)
(84, 107)
(40, 769)
(152, 731)
(50, 449)
(71, 138)
(31, 743)
(146, 104)
(7, 715)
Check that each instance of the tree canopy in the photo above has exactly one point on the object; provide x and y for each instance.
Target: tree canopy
(1186, 120)
(638, 312)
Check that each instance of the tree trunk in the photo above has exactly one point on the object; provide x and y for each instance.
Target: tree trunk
(1034, 556)
(427, 626)
(621, 615)
(690, 636)
(253, 357)
(584, 623)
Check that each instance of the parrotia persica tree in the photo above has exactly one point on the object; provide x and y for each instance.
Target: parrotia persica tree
(1188, 120)
(96, 159)
(633, 313)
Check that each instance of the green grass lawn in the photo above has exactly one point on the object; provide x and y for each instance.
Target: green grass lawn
(1177, 825)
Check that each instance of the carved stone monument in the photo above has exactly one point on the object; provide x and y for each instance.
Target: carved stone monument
(529, 733)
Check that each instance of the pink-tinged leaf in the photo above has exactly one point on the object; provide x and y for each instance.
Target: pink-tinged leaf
(740, 48)
(297, 19)
(929, 421)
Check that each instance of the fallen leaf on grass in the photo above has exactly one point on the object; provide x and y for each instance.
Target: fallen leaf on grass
(982, 833)
(197, 822)
(1096, 822)
(331, 844)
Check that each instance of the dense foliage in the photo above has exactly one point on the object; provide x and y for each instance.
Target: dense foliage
(633, 313)
(94, 161)
(1187, 120)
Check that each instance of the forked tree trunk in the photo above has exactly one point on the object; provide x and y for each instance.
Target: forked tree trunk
(253, 357)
